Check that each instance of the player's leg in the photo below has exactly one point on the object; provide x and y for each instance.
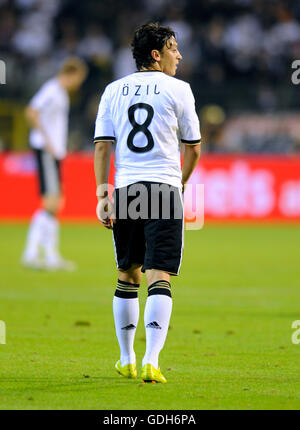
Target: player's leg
(42, 217)
(126, 316)
(31, 254)
(52, 203)
(164, 246)
(44, 228)
(129, 247)
(157, 316)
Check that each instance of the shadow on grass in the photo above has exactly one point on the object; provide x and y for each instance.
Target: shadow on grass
(17, 384)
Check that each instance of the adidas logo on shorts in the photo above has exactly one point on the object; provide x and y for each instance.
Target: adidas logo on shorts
(153, 324)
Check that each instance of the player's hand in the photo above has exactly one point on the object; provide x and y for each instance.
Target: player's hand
(183, 187)
(49, 149)
(105, 213)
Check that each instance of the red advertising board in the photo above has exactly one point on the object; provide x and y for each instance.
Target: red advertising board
(235, 187)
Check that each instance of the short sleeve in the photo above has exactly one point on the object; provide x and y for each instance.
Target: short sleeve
(42, 98)
(189, 127)
(104, 129)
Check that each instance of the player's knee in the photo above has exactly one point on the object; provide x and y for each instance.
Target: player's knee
(52, 204)
(132, 275)
(153, 275)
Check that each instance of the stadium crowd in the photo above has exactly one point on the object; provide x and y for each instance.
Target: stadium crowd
(237, 53)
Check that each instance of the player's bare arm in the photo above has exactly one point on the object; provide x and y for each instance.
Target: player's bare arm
(33, 117)
(101, 167)
(190, 160)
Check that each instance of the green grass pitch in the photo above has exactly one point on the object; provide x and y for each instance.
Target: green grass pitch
(229, 344)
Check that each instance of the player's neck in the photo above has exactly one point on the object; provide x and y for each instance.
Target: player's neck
(152, 68)
(62, 81)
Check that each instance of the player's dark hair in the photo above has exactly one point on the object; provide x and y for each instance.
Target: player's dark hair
(146, 38)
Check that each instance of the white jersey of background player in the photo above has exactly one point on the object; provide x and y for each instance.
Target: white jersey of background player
(159, 108)
(52, 103)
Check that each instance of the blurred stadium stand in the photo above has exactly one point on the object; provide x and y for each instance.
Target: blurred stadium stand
(237, 57)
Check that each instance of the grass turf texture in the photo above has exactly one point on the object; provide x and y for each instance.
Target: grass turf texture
(229, 344)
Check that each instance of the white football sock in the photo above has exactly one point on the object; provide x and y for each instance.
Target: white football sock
(35, 233)
(50, 240)
(126, 316)
(156, 318)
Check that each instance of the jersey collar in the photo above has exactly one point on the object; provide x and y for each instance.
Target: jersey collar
(142, 71)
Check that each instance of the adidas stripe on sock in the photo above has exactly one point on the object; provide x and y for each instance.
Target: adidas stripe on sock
(126, 290)
(160, 287)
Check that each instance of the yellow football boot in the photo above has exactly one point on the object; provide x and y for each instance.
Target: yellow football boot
(150, 374)
(129, 370)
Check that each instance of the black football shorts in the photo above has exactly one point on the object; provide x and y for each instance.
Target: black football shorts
(149, 226)
(48, 172)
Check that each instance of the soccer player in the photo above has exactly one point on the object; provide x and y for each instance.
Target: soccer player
(47, 114)
(146, 115)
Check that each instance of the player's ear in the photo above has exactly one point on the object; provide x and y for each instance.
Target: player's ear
(155, 54)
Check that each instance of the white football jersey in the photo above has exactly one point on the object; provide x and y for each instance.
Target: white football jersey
(147, 114)
(52, 102)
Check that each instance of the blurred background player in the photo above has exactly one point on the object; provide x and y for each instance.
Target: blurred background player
(47, 114)
(147, 113)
